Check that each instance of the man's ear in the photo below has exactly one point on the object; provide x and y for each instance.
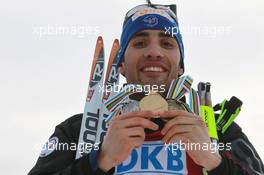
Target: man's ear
(122, 68)
(180, 71)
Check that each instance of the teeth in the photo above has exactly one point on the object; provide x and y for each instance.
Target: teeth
(153, 69)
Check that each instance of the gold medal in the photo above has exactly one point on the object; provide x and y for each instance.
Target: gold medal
(153, 102)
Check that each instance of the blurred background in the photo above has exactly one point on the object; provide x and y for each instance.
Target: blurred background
(46, 50)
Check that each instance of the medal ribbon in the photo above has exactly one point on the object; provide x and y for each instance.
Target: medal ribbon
(194, 101)
(115, 103)
(179, 87)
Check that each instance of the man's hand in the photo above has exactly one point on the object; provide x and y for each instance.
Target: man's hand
(190, 129)
(124, 133)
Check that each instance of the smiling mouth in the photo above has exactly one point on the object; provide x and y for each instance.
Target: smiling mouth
(153, 72)
(153, 69)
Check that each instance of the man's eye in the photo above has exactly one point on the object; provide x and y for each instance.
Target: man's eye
(139, 44)
(167, 45)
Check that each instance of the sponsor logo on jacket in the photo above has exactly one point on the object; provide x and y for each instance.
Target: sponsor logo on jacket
(153, 158)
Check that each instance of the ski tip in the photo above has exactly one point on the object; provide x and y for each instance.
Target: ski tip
(100, 39)
(116, 41)
(115, 44)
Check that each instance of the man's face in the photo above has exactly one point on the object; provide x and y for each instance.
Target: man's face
(151, 58)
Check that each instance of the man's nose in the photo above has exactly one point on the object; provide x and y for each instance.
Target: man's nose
(153, 51)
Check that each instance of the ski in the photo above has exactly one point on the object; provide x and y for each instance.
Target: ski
(110, 83)
(91, 113)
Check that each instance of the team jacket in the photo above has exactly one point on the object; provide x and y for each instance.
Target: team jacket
(242, 159)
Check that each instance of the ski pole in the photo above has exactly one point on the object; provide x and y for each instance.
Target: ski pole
(207, 112)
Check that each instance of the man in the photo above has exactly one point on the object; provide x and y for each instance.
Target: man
(149, 55)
